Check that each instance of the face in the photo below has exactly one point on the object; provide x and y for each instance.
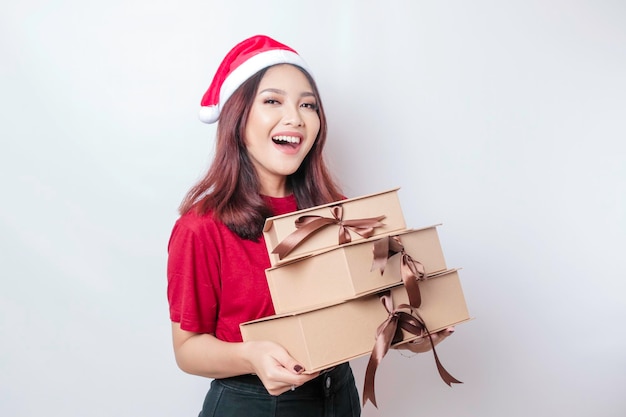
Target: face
(282, 126)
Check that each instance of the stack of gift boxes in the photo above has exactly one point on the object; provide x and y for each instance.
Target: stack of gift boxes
(330, 266)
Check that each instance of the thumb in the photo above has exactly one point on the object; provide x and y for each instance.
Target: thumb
(288, 362)
(292, 365)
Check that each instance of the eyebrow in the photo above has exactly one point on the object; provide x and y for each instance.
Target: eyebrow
(284, 93)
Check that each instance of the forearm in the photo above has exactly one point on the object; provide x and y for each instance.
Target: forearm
(205, 355)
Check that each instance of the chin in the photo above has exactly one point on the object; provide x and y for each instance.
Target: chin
(287, 170)
(287, 173)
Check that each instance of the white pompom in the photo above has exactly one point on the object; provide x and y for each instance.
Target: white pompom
(209, 114)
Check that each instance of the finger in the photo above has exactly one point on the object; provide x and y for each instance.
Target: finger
(448, 331)
(288, 362)
(280, 390)
(442, 334)
(299, 380)
(296, 382)
(436, 338)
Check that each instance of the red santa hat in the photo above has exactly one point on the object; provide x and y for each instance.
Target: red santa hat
(242, 62)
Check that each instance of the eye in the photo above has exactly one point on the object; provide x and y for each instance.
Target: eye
(310, 106)
(271, 101)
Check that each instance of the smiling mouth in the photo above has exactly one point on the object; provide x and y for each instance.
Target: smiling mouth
(286, 140)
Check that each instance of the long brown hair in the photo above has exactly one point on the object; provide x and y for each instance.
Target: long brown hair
(230, 188)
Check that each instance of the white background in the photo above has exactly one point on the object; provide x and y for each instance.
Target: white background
(505, 121)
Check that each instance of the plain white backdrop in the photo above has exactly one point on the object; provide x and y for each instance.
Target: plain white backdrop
(505, 121)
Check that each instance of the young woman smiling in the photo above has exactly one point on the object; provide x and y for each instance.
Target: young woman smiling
(268, 161)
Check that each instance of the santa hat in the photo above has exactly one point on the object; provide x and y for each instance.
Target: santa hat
(242, 62)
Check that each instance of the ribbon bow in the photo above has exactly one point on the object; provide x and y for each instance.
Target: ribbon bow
(306, 226)
(390, 332)
(410, 269)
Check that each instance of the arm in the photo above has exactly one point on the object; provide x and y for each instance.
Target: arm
(204, 355)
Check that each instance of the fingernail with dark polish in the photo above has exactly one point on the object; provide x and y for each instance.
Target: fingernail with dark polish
(298, 368)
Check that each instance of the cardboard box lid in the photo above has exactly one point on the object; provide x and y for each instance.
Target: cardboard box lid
(296, 234)
(330, 304)
(286, 261)
(299, 333)
(270, 220)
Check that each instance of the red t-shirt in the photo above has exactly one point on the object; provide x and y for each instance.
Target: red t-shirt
(216, 280)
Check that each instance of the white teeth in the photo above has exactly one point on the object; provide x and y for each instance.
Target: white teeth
(289, 139)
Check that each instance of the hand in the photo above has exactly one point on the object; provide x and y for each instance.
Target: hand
(422, 344)
(278, 371)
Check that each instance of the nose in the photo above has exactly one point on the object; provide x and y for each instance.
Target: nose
(292, 116)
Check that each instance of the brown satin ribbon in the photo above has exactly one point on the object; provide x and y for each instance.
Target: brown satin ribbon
(410, 269)
(390, 332)
(306, 226)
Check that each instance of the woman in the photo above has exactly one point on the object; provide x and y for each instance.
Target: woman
(268, 161)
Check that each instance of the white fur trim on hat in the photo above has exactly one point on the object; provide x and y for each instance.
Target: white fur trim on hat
(255, 54)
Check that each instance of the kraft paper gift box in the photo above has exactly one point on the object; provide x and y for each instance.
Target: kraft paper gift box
(384, 206)
(334, 334)
(345, 272)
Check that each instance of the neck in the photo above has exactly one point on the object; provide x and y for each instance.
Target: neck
(276, 189)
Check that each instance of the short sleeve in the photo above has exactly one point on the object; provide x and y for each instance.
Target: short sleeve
(193, 288)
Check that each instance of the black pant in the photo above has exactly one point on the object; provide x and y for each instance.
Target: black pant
(332, 394)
